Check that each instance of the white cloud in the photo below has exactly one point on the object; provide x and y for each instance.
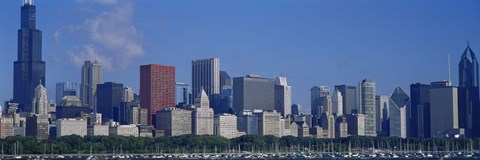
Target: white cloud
(108, 36)
(78, 56)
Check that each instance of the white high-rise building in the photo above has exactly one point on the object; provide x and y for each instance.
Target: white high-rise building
(326, 105)
(366, 101)
(337, 103)
(40, 102)
(202, 116)
(128, 94)
(225, 125)
(91, 76)
(283, 96)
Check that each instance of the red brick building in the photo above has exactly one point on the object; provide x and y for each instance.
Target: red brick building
(157, 88)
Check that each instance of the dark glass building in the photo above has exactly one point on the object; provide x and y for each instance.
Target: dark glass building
(419, 110)
(468, 93)
(225, 93)
(29, 69)
(253, 92)
(295, 109)
(109, 98)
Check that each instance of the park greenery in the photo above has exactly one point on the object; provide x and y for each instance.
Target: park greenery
(215, 144)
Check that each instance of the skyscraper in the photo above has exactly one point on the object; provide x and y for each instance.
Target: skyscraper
(366, 94)
(443, 108)
(316, 98)
(226, 92)
(349, 95)
(40, 101)
(337, 103)
(283, 96)
(206, 75)
(202, 116)
(109, 97)
(63, 89)
(382, 103)
(295, 108)
(253, 92)
(128, 95)
(398, 113)
(468, 93)
(37, 124)
(420, 110)
(157, 88)
(91, 76)
(29, 69)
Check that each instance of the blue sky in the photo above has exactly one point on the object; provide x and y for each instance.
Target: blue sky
(312, 42)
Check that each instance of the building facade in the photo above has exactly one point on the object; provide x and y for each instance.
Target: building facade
(109, 98)
(398, 113)
(468, 93)
(247, 122)
(40, 101)
(283, 96)
(91, 77)
(337, 103)
(37, 126)
(382, 116)
(420, 110)
(317, 94)
(349, 95)
(226, 92)
(206, 75)
(202, 116)
(98, 130)
(70, 126)
(269, 123)
(174, 121)
(366, 94)
(444, 104)
(63, 89)
(29, 68)
(225, 125)
(124, 130)
(356, 124)
(157, 88)
(253, 92)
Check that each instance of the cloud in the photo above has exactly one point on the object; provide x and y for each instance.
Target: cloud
(78, 56)
(108, 36)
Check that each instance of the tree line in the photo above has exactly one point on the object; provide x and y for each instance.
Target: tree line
(215, 144)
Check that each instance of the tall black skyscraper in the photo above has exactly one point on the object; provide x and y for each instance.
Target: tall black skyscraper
(29, 69)
(468, 93)
(109, 98)
(419, 110)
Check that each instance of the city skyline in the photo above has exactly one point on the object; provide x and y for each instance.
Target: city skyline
(404, 57)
